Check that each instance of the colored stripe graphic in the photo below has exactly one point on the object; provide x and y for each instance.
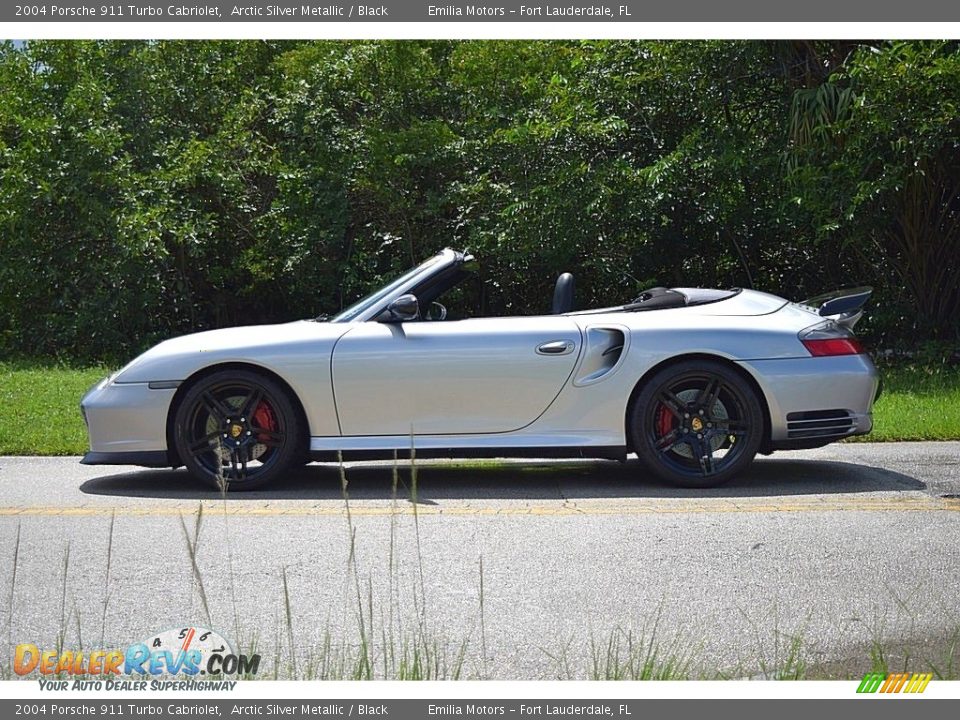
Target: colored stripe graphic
(899, 680)
(870, 683)
(894, 683)
(918, 683)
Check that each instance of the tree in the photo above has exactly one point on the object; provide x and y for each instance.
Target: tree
(876, 159)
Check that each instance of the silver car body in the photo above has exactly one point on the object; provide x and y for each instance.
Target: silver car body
(552, 384)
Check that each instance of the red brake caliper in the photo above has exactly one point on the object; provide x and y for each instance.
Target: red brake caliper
(664, 421)
(264, 418)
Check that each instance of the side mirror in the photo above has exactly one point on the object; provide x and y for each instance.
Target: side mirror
(405, 307)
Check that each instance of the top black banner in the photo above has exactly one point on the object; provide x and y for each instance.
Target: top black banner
(458, 11)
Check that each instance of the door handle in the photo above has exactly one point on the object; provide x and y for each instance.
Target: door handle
(557, 347)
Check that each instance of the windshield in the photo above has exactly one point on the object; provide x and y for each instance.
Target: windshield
(364, 304)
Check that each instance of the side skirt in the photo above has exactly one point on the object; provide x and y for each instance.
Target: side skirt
(611, 452)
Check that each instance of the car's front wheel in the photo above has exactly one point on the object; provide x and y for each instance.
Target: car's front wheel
(696, 424)
(237, 430)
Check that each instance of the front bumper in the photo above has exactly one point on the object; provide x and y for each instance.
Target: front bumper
(144, 458)
(127, 419)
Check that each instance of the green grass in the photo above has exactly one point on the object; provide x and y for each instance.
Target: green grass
(39, 407)
(918, 403)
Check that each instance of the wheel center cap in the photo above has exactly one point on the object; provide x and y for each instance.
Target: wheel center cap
(696, 424)
(235, 430)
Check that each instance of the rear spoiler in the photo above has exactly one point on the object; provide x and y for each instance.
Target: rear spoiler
(845, 307)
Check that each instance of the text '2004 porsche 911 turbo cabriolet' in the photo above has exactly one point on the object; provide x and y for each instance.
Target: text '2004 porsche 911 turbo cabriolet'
(696, 382)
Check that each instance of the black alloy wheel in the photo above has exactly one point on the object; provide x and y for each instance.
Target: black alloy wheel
(697, 424)
(237, 430)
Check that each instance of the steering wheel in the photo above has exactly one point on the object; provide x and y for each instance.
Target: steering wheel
(437, 311)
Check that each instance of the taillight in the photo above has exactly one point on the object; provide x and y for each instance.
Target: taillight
(828, 339)
(833, 346)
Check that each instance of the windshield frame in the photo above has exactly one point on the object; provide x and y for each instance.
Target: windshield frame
(370, 306)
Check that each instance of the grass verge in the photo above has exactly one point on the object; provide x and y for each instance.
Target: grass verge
(39, 407)
(918, 403)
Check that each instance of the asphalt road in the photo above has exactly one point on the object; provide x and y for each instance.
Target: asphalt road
(842, 547)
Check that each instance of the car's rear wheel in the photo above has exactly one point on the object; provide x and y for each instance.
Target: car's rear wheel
(237, 430)
(696, 423)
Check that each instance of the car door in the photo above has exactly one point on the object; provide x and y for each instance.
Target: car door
(484, 375)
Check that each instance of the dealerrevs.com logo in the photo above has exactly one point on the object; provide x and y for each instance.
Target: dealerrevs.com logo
(189, 658)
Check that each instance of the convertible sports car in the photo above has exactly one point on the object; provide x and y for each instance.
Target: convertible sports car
(694, 381)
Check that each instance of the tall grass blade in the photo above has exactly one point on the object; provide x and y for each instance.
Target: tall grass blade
(192, 547)
(106, 577)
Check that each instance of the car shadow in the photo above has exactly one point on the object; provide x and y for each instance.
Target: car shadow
(536, 479)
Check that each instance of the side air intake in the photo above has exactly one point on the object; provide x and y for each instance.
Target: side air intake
(604, 348)
(819, 424)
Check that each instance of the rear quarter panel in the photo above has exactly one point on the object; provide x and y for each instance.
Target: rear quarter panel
(660, 336)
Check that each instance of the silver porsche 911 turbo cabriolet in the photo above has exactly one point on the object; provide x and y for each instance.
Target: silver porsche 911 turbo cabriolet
(695, 382)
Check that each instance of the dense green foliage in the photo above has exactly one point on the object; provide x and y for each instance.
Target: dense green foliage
(154, 188)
